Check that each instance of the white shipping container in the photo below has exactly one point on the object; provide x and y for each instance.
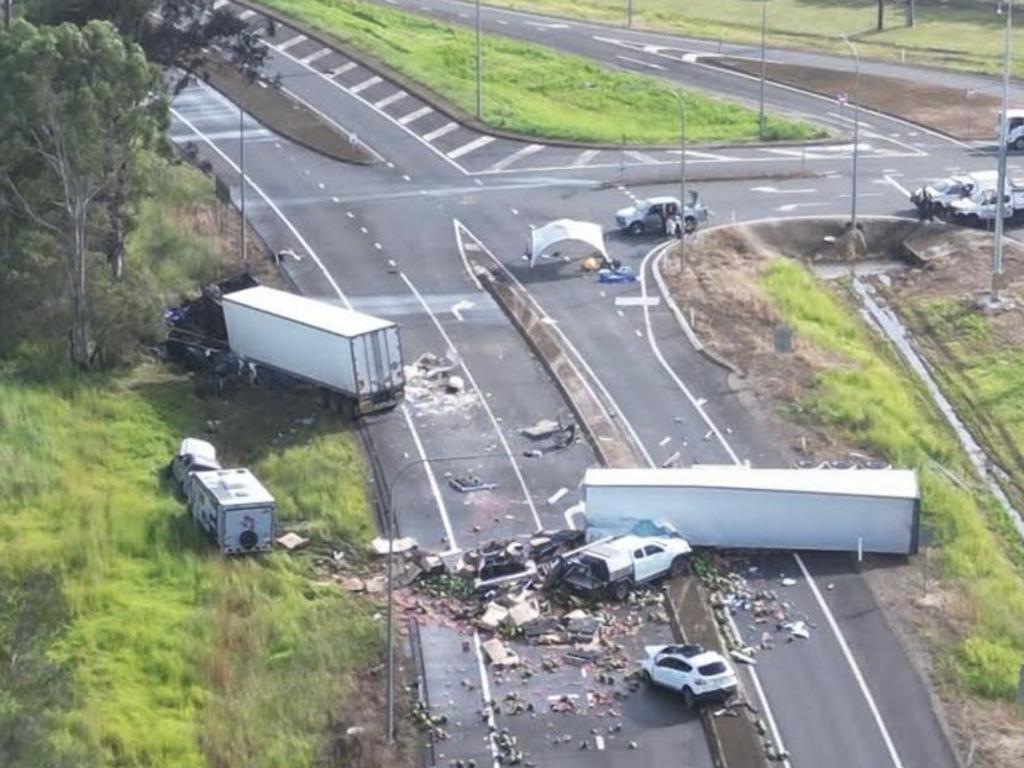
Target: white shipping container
(711, 506)
(348, 352)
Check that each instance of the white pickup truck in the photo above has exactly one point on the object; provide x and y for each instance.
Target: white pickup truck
(982, 206)
(618, 563)
(1014, 129)
(940, 195)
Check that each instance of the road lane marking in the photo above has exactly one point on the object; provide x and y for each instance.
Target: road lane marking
(483, 399)
(435, 489)
(247, 14)
(854, 667)
(444, 129)
(472, 146)
(367, 83)
(485, 692)
(342, 69)
(388, 100)
(218, 4)
(899, 187)
(291, 43)
(529, 149)
(640, 62)
(585, 157)
(640, 157)
(415, 115)
(315, 56)
(458, 308)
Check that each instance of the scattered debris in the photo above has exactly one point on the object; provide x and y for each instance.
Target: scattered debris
(292, 541)
(499, 654)
(788, 582)
(468, 483)
(382, 546)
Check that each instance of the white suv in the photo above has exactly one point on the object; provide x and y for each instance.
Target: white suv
(693, 671)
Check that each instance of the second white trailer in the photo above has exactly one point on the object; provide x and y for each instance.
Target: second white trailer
(711, 506)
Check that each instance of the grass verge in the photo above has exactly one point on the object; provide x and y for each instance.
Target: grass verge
(530, 89)
(964, 35)
(870, 397)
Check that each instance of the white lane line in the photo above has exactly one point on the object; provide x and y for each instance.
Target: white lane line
(640, 157)
(852, 662)
(585, 157)
(367, 83)
(607, 396)
(316, 56)
(902, 190)
(246, 15)
(415, 115)
(347, 67)
(485, 692)
(340, 294)
(251, 134)
(218, 4)
(435, 489)
(446, 128)
(462, 254)
(703, 155)
(270, 203)
(388, 100)
(328, 119)
(290, 43)
(480, 394)
(529, 149)
(472, 146)
(640, 62)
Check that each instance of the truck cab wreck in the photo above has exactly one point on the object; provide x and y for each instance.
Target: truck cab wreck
(613, 566)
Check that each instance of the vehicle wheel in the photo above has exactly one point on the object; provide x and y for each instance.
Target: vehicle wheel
(646, 677)
(973, 220)
(679, 567)
(636, 228)
(688, 698)
(1018, 143)
(690, 225)
(620, 590)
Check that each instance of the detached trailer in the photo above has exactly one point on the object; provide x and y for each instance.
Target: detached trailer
(355, 358)
(710, 506)
(234, 509)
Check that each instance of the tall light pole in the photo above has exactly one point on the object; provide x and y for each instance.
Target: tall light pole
(764, 66)
(7, 13)
(241, 168)
(479, 67)
(997, 245)
(629, 14)
(856, 132)
(682, 178)
(390, 522)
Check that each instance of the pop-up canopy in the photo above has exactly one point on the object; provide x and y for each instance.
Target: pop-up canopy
(583, 238)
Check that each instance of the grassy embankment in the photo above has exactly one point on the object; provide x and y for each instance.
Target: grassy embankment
(133, 642)
(531, 89)
(878, 405)
(965, 36)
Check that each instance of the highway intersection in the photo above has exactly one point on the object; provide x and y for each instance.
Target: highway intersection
(395, 239)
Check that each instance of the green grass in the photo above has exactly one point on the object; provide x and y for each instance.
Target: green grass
(531, 89)
(963, 37)
(871, 398)
(179, 657)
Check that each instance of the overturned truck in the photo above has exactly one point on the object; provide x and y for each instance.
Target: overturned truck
(869, 510)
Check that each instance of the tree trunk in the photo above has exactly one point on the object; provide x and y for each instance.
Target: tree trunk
(881, 15)
(76, 275)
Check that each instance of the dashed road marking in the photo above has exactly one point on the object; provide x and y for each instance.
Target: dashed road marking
(640, 157)
(415, 115)
(446, 128)
(585, 157)
(475, 144)
(348, 67)
(291, 43)
(367, 83)
(387, 100)
(316, 56)
(526, 151)
(247, 14)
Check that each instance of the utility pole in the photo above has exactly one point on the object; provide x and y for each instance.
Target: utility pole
(764, 66)
(997, 245)
(629, 14)
(7, 13)
(241, 168)
(910, 12)
(682, 179)
(479, 67)
(856, 133)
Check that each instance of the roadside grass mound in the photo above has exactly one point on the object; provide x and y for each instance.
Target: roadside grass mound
(881, 407)
(530, 89)
(962, 35)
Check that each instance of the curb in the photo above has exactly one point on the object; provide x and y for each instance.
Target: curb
(456, 114)
(673, 178)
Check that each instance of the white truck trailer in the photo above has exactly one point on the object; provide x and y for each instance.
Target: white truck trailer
(713, 506)
(355, 358)
(234, 509)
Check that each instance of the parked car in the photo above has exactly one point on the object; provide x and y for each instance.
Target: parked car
(649, 215)
(194, 455)
(695, 672)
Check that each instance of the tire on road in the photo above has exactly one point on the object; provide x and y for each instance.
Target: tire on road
(688, 698)
(636, 228)
(680, 566)
(1018, 143)
(690, 225)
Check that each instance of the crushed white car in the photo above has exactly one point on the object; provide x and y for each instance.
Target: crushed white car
(695, 672)
(194, 455)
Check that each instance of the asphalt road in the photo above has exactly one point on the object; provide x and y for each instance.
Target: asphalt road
(383, 239)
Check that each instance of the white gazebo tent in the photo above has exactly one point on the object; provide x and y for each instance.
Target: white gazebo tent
(567, 236)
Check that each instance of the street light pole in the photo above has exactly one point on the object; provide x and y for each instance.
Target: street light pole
(7, 13)
(629, 15)
(764, 66)
(997, 246)
(856, 132)
(479, 67)
(391, 524)
(241, 168)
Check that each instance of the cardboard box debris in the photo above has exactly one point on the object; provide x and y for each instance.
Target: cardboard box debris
(524, 612)
(499, 654)
(292, 541)
(493, 616)
(406, 544)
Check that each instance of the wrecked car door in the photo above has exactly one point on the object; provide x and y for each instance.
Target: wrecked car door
(655, 562)
(671, 672)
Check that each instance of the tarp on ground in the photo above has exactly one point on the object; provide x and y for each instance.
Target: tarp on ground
(568, 237)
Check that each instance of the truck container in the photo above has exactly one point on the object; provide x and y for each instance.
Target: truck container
(234, 509)
(816, 509)
(355, 358)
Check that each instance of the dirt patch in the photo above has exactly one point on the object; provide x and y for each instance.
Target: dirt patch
(733, 320)
(286, 116)
(962, 114)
